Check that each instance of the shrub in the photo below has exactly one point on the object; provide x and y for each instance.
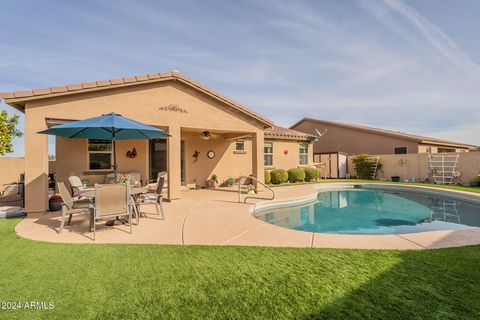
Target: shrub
(363, 165)
(267, 177)
(278, 176)
(296, 175)
(311, 174)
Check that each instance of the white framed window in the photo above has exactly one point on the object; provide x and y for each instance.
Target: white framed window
(303, 151)
(268, 154)
(240, 145)
(100, 154)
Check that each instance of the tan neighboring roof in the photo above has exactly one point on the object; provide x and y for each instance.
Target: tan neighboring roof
(397, 134)
(17, 99)
(287, 134)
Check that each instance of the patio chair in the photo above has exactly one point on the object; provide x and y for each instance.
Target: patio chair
(155, 197)
(71, 206)
(77, 186)
(153, 184)
(112, 201)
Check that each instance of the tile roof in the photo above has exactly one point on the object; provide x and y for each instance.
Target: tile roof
(398, 134)
(18, 98)
(287, 134)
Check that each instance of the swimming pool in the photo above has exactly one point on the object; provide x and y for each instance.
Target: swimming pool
(376, 210)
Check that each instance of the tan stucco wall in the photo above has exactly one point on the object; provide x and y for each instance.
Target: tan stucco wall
(72, 159)
(141, 103)
(353, 141)
(10, 169)
(417, 165)
(292, 159)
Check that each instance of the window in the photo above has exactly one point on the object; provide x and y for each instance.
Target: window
(443, 150)
(400, 150)
(303, 153)
(100, 154)
(240, 145)
(268, 154)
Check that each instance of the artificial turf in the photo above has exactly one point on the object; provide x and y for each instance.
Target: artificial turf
(98, 281)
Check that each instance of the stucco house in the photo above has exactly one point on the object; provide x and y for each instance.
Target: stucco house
(209, 134)
(355, 139)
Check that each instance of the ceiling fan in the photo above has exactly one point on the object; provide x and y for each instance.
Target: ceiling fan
(206, 135)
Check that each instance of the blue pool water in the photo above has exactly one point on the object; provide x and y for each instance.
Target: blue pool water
(364, 211)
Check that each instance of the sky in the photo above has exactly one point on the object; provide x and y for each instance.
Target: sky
(410, 66)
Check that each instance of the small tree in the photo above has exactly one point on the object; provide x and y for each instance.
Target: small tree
(363, 165)
(8, 131)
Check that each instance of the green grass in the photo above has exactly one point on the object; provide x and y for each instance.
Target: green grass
(94, 281)
(462, 188)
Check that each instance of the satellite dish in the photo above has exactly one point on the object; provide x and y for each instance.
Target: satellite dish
(320, 134)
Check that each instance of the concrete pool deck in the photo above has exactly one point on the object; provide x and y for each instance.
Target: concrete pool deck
(208, 217)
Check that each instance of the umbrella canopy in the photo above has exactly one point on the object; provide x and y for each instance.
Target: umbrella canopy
(110, 126)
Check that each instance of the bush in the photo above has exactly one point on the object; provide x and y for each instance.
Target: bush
(311, 174)
(278, 176)
(267, 177)
(363, 165)
(296, 175)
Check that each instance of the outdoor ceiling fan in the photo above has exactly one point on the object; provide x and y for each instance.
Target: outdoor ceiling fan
(206, 135)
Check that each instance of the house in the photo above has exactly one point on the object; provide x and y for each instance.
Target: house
(356, 139)
(209, 134)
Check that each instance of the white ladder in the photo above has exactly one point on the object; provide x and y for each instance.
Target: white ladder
(373, 168)
(442, 167)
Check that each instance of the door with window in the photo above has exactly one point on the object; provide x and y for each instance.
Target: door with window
(159, 158)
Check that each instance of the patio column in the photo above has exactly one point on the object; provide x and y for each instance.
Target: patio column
(36, 163)
(257, 158)
(173, 162)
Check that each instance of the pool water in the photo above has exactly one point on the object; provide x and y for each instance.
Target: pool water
(363, 211)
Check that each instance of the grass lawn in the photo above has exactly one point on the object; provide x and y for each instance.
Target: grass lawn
(96, 281)
(462, 188)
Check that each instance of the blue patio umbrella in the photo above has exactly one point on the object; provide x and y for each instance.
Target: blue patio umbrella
(110, 126)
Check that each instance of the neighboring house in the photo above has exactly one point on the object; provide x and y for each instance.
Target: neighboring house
(356, 139)
(209, 134)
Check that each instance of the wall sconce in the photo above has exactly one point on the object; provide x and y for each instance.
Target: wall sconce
(131, 154)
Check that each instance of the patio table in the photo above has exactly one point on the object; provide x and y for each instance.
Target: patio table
(135, 191)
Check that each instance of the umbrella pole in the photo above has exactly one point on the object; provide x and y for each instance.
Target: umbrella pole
(114, 159)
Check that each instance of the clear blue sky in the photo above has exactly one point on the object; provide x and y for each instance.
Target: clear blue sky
(411, 66)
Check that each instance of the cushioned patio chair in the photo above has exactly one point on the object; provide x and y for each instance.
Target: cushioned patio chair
(71, 206)
(77, 187)
(155, 197)
(112, 201)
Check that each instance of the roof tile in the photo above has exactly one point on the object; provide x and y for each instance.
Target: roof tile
(42, 91)
(142, 78)
(58, 89)
(73, 87)
(288, 134)
(117, 81)
(153, 76)
(7, 95)
(103, 83)
(21, 94)
(129, 79)
(87, 85)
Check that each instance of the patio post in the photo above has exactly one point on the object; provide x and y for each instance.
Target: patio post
(173, 162)
(36, 163)
(257, 158)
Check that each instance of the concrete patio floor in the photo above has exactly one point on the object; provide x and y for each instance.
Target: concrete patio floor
(207, 217)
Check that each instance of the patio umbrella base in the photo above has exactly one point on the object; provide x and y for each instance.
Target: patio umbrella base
(116, 222)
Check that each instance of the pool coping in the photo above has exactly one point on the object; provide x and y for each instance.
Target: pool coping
(457, 194)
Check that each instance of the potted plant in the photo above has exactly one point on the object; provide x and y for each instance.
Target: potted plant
(230, 181)
(122, 179)
(212, 183)
(55, 203)
(85, 182)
